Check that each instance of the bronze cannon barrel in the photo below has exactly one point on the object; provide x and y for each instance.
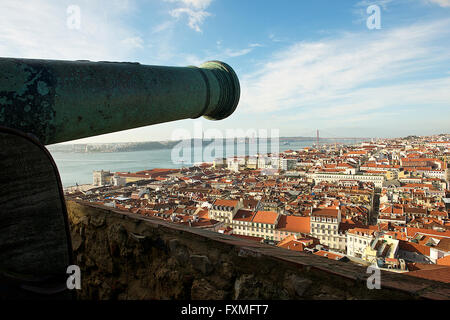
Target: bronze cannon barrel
(60, 101)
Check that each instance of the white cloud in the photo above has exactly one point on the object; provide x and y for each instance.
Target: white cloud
(195, 10)
(162, 27)
(133, 42)
(237, 53)
(352, 74)
(366, 3)
(39, 29)
(197, 4)
(276, 39)
(442, 3)
(196, 17)
(219, 54)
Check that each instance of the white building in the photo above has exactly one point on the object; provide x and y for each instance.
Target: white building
(224, 210)
(233, 164)
(442, 249)
(101, 178)
(325, 227)
(119, 180)
(261, 224)
(357, 241)
(252, 162)
(377, 180)
(264, 163)
(219, 163)
(440, 174)
(287, 163)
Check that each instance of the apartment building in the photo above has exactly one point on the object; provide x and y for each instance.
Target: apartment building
(377, 180)
(357, 241)
(264, 163)
(225, 210)
(260, 224)
(252, 163)
(288, 163)
(264, 224)
(242, 222)
(394, 219)
(382, 246)
(292, 225)
(219, 163)
(325, 227)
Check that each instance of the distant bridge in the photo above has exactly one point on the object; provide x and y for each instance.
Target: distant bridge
(317, 138)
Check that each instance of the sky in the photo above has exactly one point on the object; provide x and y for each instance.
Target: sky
(303, 65)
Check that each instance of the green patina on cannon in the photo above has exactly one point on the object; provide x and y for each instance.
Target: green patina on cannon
(56, 101)
(60, 101)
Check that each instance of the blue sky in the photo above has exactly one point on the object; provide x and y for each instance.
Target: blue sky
(303, 65)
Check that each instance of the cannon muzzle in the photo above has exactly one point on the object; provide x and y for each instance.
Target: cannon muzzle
(60, 101)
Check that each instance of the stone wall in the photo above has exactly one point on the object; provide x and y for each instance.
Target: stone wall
(127, 256)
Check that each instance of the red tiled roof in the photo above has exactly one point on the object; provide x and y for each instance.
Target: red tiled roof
(243, 215)
(268, 217)
(226, 203)
(361, 230)
(329, 255)
(444, 261)
(294, 224)
(325, 212)
(414, 247)
(444, 244)
(411, 232)
(292, 243)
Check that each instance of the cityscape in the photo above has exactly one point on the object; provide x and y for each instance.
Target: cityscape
(220, 158)
(382, 203)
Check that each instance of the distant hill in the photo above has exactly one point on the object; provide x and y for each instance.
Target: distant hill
(144, 146)
(113, 147)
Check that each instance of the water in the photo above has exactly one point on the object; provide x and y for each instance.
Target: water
(77, 167)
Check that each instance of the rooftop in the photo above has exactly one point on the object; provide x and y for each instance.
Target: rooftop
(226, 203)
(294, 224)
(325, 212)
(266, 217)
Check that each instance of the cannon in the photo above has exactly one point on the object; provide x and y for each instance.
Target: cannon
(45, 102)
(59, 101)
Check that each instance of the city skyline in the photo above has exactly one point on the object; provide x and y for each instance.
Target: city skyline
(302, 66)
(382, 205)
(311, 162)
